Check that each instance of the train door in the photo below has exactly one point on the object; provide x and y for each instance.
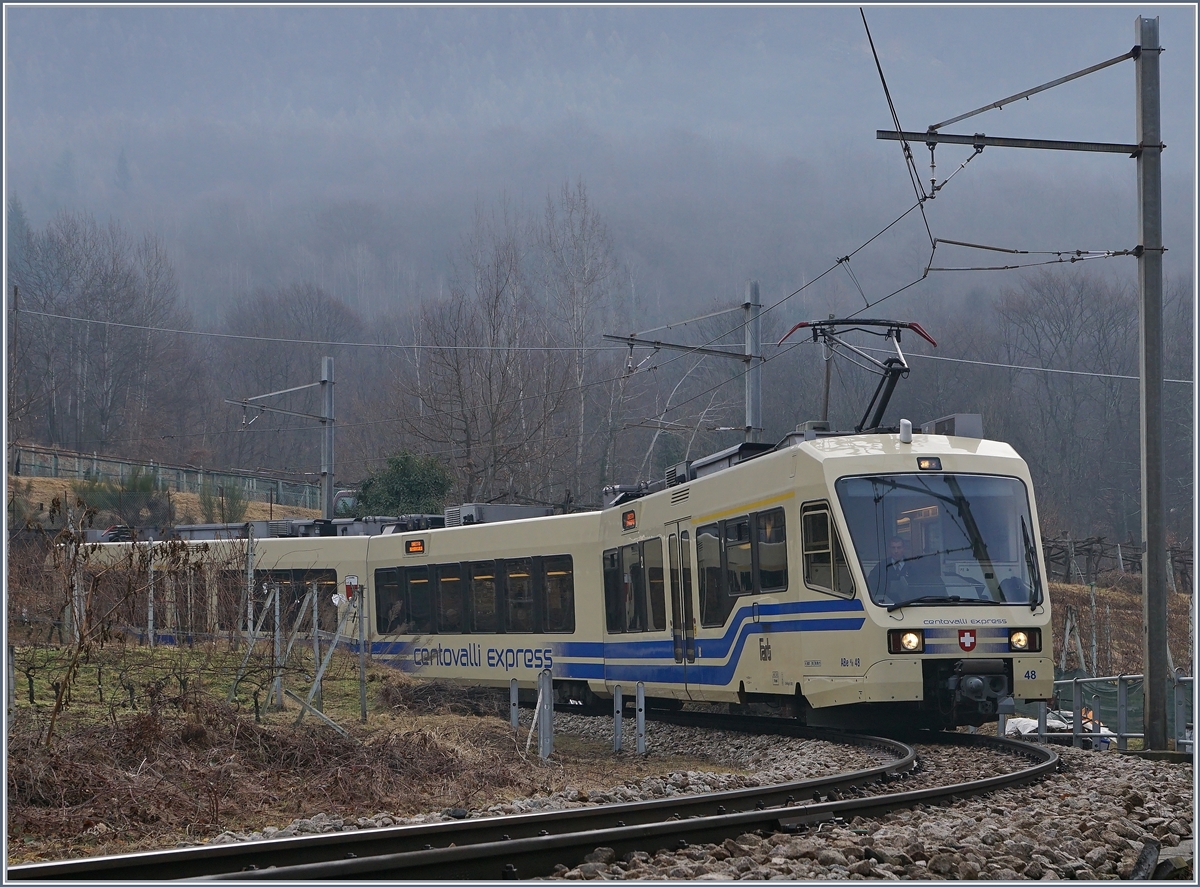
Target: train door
(683, 623)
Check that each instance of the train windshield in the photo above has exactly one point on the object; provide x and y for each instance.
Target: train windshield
(942, 538)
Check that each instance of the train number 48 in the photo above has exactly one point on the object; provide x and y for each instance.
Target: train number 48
(1031, 675)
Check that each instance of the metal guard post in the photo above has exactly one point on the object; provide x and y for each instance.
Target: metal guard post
(1077, 721)
(546, 715)
(617, 728)
(641, 718)
(1122, 713)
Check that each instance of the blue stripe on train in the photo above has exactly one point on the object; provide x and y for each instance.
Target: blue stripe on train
(661, 667)
(721, 673)
(716, 647)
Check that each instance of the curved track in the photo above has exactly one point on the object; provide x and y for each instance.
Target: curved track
(531, 845)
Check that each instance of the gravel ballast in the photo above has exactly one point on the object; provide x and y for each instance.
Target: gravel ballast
(1088, 822)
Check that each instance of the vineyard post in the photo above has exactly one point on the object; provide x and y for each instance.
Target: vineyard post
(278, 681)
(249, 577)
(1092, 594)
(12, 698)
(316, 643)
(150, 609)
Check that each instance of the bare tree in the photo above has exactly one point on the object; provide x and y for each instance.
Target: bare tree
(98, 360)
(580, 271)
(1078, 432)
(488, 392)
(283, 334)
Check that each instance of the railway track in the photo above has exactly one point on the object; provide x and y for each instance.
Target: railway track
(531, 845)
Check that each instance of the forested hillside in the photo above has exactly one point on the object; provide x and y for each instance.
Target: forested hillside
(501, 371)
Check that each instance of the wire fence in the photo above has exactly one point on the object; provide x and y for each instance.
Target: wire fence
(34, 461)
(1081, 561)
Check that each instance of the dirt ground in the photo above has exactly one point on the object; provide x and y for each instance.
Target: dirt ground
(1118, 625)
(122, 747)
(184, 766)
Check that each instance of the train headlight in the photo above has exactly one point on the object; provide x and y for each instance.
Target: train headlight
(1025, 640)
(906, 640)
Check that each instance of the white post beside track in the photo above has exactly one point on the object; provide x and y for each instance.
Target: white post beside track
(641, 718)
(360, 593)
(617, 706)
(512, 704)
(546, 715)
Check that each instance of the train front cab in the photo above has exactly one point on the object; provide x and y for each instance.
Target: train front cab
(962, 626)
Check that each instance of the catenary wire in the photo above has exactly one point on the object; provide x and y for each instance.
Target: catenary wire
(909, 163)
(331, 344)
(1029, 369)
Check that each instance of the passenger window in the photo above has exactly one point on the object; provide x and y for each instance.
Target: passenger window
(655, 583)
(390, 611)
(420, 601)
(685, 552)
(825, 567)
(614, 600)
(484, 616)
(715, 603)
(772, 551)
(519, 594)
(633, 587)
(450, 598)
(559, 584)
(738, 565)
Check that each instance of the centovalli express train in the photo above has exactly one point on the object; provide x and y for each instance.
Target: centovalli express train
(850, 579)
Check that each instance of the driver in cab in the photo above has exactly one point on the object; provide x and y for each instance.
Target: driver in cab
(889, 578)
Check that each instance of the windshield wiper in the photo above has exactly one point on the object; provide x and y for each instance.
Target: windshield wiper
(1035, 578)
(929, 599)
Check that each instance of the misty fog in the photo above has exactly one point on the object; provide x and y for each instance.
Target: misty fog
(352, 151)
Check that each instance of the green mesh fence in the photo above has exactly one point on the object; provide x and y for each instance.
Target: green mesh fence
(1102, 699)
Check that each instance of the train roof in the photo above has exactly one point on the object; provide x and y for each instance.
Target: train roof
(858, 445)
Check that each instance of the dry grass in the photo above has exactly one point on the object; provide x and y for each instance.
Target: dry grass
(43, 490)
(1118, 625)
(115, 779)
(146, 753)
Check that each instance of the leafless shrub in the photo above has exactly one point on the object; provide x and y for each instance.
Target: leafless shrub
(429, 698)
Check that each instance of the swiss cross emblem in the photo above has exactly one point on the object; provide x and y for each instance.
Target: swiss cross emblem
(966, 640)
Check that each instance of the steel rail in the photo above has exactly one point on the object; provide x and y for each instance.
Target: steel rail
(534, 857)
(286, 854)
(524, 845)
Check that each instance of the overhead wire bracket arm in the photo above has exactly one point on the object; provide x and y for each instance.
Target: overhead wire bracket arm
(998, 249)
(631, 341)
(979, 139)
(1027, 93)
(244, 403)
(284, 391)
(690, 320)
